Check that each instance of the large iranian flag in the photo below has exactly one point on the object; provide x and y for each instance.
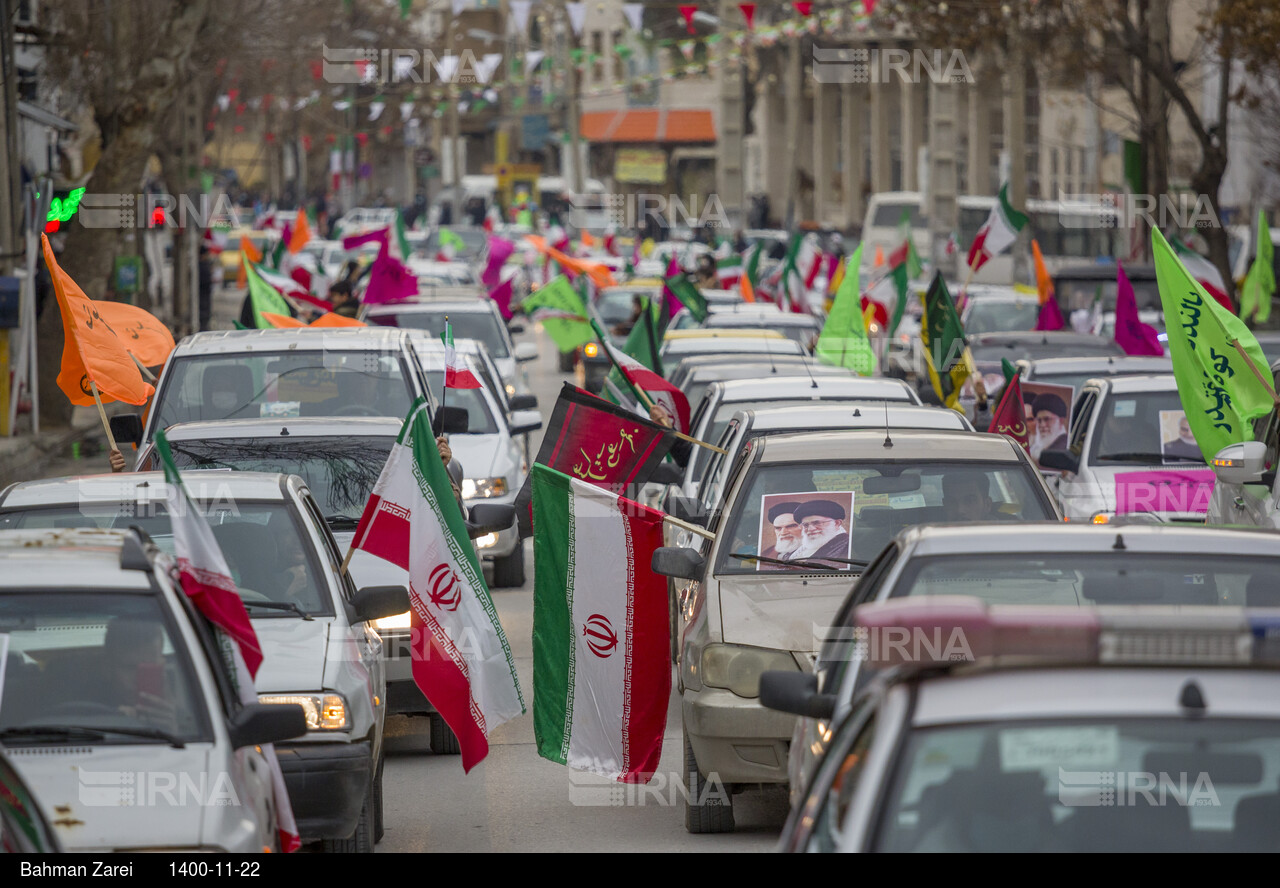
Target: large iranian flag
(998, 232)
(601, 655)
(465, 668)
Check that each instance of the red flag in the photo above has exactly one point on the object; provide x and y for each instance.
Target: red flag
(1010, 417)
(501, 294)
(748, 13)
(687, 11)
(1050, 317)
(804, 7)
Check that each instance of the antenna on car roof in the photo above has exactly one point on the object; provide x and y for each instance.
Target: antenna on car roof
(804, 362)
(888, 442)
(773, 368)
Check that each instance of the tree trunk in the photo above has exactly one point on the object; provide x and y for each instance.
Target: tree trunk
(1207, 180)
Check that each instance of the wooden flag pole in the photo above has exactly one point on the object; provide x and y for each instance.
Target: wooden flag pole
(692, 528)
(347, 558)
(147, 374)
(1235, 343)
(97, 399)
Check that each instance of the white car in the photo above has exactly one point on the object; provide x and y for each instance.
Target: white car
(1122, 430)
(431, 273)
(1245, 491)
(320, 649)
(92, 620)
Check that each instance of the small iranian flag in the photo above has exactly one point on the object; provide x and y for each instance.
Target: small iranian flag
(642, 378)
(601, 656)
(1000, 230)
(456, 374)
(412, 520)
(728, 270)
(206, 579)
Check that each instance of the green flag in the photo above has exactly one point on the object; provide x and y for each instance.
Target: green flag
(562, 313)
(1220, 393)
(263, 296)
(689, 296)
(642, 344)
(945, 353)
(1260, 282)
(843, 341)
(1009, 371)
(753, 264)
(451, 241)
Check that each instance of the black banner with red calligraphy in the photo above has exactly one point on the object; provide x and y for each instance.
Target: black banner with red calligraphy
(598, 442)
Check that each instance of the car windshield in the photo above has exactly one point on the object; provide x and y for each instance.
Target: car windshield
(480, 419)
(103, 666)
(999, 316)
(249, 385)
(340, 471)
(825, 511)
(481, 325)
(616, 306)
(1143, 428)
(1046, 347)
(1076, 294)
(1127, 784)
(270, 558)
(1086, 578)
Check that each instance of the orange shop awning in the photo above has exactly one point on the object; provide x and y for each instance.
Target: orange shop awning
(647, 126)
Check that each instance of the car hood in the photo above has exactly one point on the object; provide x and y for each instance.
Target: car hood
(293, 653)
(783, 614)
(369, 570)
(481, 456)
(102, 798)
(1105, 489)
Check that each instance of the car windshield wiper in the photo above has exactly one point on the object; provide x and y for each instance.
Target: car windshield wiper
(150, 733)
(812, 565)
(1154, 458)
(341, 522)
(69, 732)
(281, 605)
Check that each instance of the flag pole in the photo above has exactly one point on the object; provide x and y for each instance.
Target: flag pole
(692, 528)
(444, 382)
(346, 560)
(97, 399)
(1235, 343)
(150, 377)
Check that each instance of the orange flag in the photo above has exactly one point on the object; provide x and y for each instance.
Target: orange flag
(587, 240)
(277, 320)
(143, 335)
(879, 256)
(92, 350)
(599, 273)
(246, 249)
(748, 292)
(1044, 283)
(333, 319)
(301, 233)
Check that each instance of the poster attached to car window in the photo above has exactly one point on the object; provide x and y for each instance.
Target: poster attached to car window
(809, 527)
(1177, 444)
(1047, 407)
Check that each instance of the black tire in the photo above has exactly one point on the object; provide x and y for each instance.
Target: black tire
(708, 807)
(508, 572)
(443, 741)
(361, 841)
(378, 829)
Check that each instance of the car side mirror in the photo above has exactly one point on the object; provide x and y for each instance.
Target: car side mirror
(375, 602)
(126, 428)
(795, 693)
(524, 422)
(525, 351)
(450, 421)
(684, 508)
(485, 518)
(678, 563)
(522, 402)
(1241, 463)
(1062, 460)
(516, 327)
(259, 723)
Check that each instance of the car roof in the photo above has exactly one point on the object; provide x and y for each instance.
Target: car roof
(768, 419)
(763, 345)
(732, 366)
(921, 445)
(67, 557)
(201, 484)
(1103, 363)
(798, 385)
(292, 427)
(1047, 337)
(730, 319)
(1054, 536)
(992, 293)
(1161, 382)
(291, 338)
(478, 305)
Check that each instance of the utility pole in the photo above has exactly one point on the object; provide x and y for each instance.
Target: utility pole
(575, 109)
(455, 135)
(729, 150)
(10, 186)
(1016, 144)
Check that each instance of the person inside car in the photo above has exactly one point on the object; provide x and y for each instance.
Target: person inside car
(967, 497)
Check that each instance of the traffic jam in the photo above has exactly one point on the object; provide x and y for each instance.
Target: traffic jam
(526, 530)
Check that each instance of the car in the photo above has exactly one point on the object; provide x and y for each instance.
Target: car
(23, 826)
(992, 309)
(717, 300)
(432, 273)
(1122, 430)
(1074, 371)
(281, 373)
(803, 328)
(614, 307)
(751, 344)
(358, 220)
(470, 319)
(989, 349)
(1244, 490)
(695, 375)
(1076, 287)
(742, 610)
(95, 620)
(1003, 728)
(473, 238)
(319, 646)
(725, 398)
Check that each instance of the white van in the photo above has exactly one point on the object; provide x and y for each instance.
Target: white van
(884, 215)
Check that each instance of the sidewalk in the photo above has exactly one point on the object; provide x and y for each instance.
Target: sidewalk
(49, 454)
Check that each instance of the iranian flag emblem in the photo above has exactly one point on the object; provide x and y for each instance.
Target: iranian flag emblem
(601, 657)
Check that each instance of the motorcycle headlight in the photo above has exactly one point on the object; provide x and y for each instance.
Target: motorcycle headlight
(325, 712)
(737, 668)
(483, 488)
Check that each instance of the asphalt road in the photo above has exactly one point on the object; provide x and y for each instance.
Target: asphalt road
(517, 801)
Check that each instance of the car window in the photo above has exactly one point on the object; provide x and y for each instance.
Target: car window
(1001, 317)
(1143, 428)
(109, 662)
(480, 418)
(1081, 414)
(829, 512)
(1088, 784)
(480, 325)
(250, 385)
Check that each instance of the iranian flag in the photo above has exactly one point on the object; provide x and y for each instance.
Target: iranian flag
(601, 655)
(1205, 273)
(728, 270)
(206, 579)
(465, 667)
(456, 374)
(642, 378)
(1000, 230)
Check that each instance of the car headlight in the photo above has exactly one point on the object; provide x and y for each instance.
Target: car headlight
(483, 487)
(511, 390)
(399, 621)
(488, 541)
(590, 350)
(737, 668)
(325, 712)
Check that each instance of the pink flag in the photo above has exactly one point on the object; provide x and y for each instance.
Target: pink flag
(1050, 317)
(500, 250)
(1135, 337)
(389, 280)
(381, 236)
(501, 294)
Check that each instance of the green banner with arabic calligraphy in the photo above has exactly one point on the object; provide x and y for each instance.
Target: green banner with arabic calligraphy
(1220, 393)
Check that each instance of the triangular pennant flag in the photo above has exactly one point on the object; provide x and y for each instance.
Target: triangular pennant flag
(577, 16)
(635, 14)
(520, 13)
(687, 11)
(748, 13)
